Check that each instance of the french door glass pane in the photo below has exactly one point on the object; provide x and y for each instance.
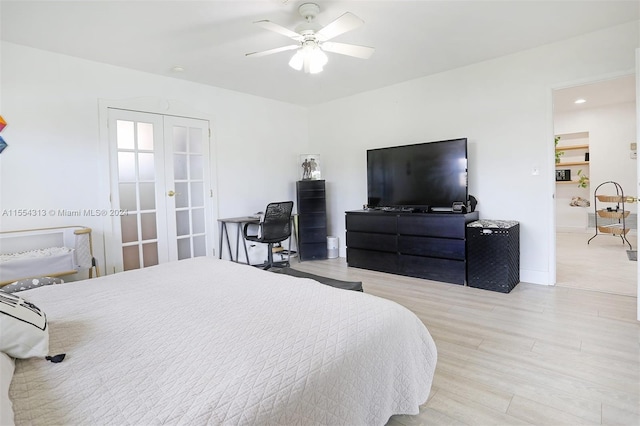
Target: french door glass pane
(197, 194)
(199, 246)
(197, 220)
(129, 226)
(195, 169)
(126, 166)
(147, 196)
(125, 135)
(182, 222)
(146, 166)
(179, 139)
(148, 224)
(195, 140)
(150, 254)
(184, 248)
(182, 195)
(131, 257)
(145, 136)
(180, 166)
(127, 196)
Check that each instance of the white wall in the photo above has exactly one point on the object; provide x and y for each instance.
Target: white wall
(504, 108)
(53, 160)
(611, 129)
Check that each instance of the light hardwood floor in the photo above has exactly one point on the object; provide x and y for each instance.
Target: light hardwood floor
(541, 355)
(600, 265)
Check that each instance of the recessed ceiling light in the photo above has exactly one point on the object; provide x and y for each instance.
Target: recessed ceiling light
(177, 68)
(580, 101)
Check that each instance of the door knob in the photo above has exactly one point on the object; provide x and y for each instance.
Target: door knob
(171, 193)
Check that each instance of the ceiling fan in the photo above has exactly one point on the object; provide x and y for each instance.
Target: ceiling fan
(313, 39)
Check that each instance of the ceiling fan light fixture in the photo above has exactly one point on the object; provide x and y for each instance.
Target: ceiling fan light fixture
(313, 40)
(310, 57)
(297, 60)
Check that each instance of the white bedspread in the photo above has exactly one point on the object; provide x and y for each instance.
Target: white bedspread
(207, 341)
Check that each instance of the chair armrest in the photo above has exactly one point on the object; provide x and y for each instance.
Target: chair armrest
(245, 230)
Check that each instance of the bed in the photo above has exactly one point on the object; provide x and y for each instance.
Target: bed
(208, 341)
(52, 252)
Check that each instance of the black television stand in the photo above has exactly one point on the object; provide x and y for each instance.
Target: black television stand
(422, 245)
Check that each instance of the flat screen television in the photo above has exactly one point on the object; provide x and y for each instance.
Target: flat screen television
(429, 176)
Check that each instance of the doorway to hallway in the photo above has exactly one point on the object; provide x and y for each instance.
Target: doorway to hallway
(602, 127)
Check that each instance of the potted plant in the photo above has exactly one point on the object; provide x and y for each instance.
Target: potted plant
(558, 153)
(583, 180)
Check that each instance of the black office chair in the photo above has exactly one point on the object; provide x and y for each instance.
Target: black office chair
(275, 227)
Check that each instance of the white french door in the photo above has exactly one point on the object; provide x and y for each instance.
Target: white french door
(159, 188)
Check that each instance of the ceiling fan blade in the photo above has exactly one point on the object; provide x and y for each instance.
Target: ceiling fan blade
(362, 52)
(272, 51)
(341, 25)
(271, 26)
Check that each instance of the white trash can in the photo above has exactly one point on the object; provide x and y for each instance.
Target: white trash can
(332, 247)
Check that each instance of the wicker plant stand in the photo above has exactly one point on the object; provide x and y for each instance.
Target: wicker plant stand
(610, 213)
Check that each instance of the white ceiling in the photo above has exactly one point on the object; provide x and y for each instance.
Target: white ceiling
(597, 94)
(209, 39)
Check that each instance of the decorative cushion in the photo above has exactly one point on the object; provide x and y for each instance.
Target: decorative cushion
(23, 328)
(29, 283)
(7, 367)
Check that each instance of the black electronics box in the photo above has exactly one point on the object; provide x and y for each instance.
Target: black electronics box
(493, 254)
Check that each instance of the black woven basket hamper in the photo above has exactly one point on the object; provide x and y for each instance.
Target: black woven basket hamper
(493, 255)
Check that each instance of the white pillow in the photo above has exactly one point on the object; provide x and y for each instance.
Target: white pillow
(7, 367)
(23, 328)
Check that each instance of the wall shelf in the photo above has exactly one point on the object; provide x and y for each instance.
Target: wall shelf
(573, 135)
(573, 156)
(570, 147)
(572, 163)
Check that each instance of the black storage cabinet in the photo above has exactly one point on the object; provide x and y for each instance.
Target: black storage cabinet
(493, 254)
(312, 219)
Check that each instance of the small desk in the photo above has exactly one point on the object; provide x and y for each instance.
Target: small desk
(224, 234)
(240, 222)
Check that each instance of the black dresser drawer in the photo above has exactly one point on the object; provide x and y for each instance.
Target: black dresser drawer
(379, 242)
(432, 225)
(373, 260)
(378, 223)
(432, 247)
(447, 270)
